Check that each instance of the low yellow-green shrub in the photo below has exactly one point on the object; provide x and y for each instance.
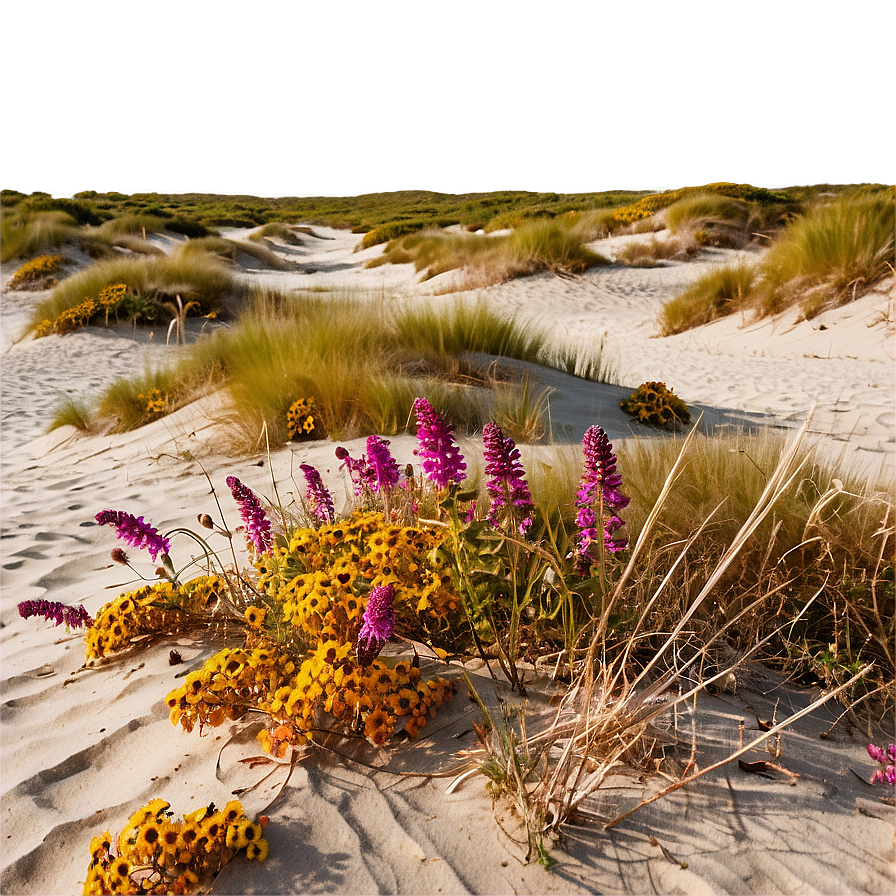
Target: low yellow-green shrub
(37, 273)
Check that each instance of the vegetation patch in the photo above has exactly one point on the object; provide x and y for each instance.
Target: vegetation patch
(634, 574)
(150, 282)
(724, 290)
(39, 273)
(655, 404)
(831, 255)
(537, 246)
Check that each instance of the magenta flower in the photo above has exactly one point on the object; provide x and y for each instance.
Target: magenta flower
(74, 617)
(319, 499)
(598, 499)
(135, 531)
(382, 468)
(258, 526)
(358, 469)
(378, 624)
(440, 457)
(886, 774)
(507, 488)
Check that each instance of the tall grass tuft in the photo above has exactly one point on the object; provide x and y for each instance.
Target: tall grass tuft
(278, 230)
(72, 412)
(831, 255)
(723, 290)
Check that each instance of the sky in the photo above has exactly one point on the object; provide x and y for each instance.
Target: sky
(339, 98)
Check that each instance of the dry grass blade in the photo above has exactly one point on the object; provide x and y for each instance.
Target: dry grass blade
(764, 736)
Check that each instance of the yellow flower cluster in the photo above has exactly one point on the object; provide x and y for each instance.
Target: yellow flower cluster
(332, 692)
(162, 608)
(321, 577)
(109, 300)
(156, 403)
(157, 855)
(36, 273)
(301, 419)
(227, 685)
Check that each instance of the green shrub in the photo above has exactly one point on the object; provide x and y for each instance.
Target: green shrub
(82, 212)
(189, 228)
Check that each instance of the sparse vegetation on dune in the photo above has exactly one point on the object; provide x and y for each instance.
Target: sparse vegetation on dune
(549, 245)
(278, 230)
(362, 364)
(151, 281)
(231, 250)
(723, 290)
(23, 235)
(829, 256)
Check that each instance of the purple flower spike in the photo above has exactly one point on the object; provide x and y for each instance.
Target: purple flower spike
(382, 467)
(74, 617)
(319, 499)
(441, 458)
(378, 624)
(135, 531)
(507, 488)
(600, 485)
(258, 526)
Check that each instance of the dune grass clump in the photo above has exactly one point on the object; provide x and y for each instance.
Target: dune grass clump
(72, 412)
(724, 290)
(195, 276)
(289, 234)
(649, 253)
(40, 233)
(830, 256)
(362, 365)
(701, 211)
(230, 250)
(542, 245)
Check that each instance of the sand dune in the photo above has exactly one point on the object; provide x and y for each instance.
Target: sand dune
(81, 751)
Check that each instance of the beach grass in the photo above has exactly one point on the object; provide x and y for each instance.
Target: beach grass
(23, 236)
(230, 250)
(278, 230)
(540, 245)
(363, 363)
(72, 412)
(831, 255)
(724, 290)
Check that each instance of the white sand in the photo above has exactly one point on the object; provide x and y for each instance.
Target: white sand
(81, 752)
